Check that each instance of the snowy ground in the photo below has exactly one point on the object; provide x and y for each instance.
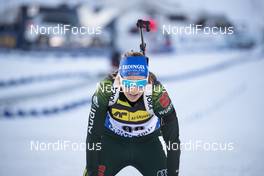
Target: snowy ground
(218, 97)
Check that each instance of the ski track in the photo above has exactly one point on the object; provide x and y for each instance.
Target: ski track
(213, 103)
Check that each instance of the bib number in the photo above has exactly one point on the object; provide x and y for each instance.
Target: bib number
(131, 129)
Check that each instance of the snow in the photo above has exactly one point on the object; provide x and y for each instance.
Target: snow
(218, 97)
(223, 107)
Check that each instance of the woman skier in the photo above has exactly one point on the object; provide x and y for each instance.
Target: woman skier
(130, 110)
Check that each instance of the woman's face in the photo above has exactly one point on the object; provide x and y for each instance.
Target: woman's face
(133, 93)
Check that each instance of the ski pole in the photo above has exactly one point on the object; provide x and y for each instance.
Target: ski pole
(141, 24)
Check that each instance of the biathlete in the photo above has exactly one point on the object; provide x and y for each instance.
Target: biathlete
(130, 110)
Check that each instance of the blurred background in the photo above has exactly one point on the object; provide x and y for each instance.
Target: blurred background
(215, 81)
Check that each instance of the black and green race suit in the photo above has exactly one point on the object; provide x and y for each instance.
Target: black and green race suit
(122, 133)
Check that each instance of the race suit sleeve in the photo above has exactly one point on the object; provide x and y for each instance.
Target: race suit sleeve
(164, 109)
(96, 121)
